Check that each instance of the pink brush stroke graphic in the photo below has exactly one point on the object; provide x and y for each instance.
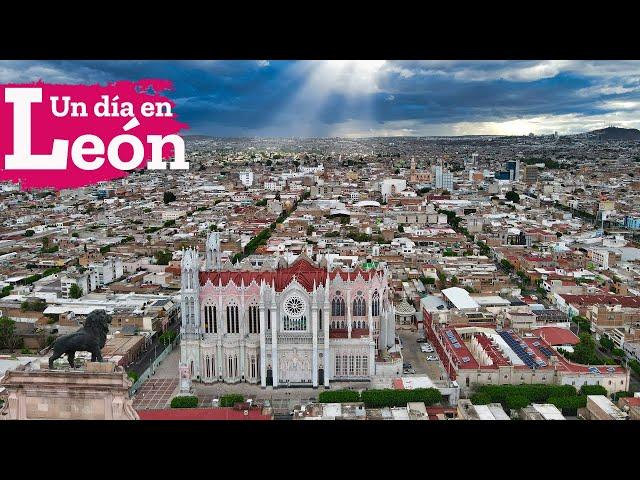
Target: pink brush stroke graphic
(45, 127)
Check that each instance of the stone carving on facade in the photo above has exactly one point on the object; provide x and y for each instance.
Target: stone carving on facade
(292, 303)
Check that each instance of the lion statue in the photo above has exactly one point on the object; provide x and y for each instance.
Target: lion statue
(89, 338)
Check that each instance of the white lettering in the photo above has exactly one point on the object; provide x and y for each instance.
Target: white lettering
(78, 151)
(22, 159)
(157, 142)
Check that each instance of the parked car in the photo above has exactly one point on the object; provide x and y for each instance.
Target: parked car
(426, 348)
(432, 357)
(421, 340)
(409, 371)
(406, 365)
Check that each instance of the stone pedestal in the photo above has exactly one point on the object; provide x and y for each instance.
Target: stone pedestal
(95, 393)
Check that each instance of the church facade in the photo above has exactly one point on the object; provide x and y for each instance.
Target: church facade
(283, 325)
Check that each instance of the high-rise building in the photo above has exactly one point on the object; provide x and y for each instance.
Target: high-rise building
(513, 167)
(443, 179)
(246, 178)
(531, 174)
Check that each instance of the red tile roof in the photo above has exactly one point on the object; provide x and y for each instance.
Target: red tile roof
(302, 270)
(493, 352)
(223, 413)
(557, 336)
(460, 353)
(587, 300)
(632, 401)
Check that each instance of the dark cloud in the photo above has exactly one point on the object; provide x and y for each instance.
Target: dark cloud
(251, 97)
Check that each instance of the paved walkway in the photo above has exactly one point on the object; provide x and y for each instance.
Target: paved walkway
(155, 393)
(169, 366)
(162, 386)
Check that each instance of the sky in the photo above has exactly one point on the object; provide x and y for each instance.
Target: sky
(363, 98)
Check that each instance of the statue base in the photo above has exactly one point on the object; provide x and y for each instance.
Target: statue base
(98, 392)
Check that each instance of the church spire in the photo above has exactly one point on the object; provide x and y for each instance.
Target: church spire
(213, 255)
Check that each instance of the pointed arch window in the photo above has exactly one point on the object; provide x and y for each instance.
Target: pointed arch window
(338, 307)
(210, 320)
(254, 319)
(375, 304)
(233, 319)
(359, 307)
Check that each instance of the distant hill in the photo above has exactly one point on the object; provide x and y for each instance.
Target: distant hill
(616, 133)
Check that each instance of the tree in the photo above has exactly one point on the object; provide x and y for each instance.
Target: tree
(506, 264)
(569, 405)
(516, 402)
(163, 257)
(29, 233)
(339, 396)
(480, 398)
(8, 337)
(167, 337)
(512, 196)
(606, 343)
(593, 390)
(184, 402)
(168, 197)
(75, 291)
(585, 351)
(231, 399)
(37, 305)
(399, 398)
(400, 229)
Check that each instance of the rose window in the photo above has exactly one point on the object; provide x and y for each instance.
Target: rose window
(294, 307)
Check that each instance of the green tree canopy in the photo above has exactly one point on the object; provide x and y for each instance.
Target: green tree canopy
(168, 197)
(512, 196)
(75, 291)
(163, 257)
(8, 337)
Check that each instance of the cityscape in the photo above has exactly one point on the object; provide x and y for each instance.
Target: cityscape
(438, 273)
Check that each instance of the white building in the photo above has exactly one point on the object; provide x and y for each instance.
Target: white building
(105, 272)
(246, 178)
(295, 324)
(172, 214)
(273, 186)
(391, 186)
(443, 179)
(318, 169)
(80, 279)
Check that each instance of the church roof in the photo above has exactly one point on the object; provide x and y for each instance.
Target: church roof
(305, 271)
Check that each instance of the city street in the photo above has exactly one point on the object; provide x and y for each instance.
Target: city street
(152, 352)
(282, 400)
(411, 354)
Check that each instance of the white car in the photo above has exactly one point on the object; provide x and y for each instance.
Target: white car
(426, 348)
(432, 357)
